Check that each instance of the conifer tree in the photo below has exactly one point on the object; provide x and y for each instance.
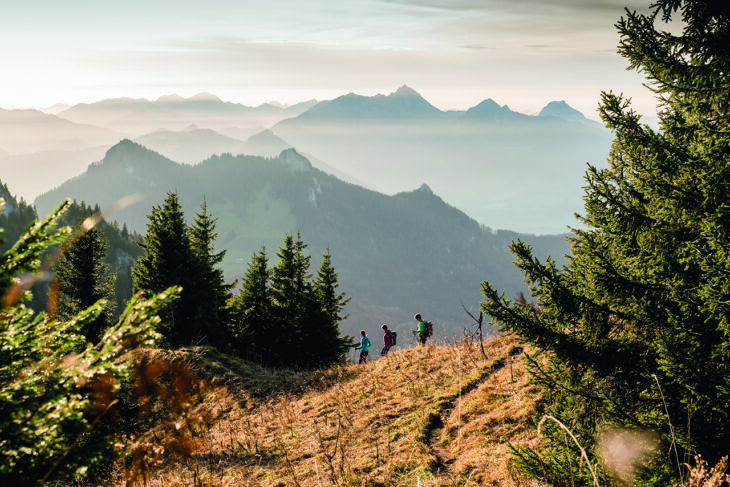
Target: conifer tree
(169, 261)
(291, 293)
(254, 330)
(83, 279)
(211, 291)
(637, 327)
(15, 217)
(331, 304)
(284, 318)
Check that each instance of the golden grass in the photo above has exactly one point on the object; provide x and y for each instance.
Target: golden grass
(439, 415)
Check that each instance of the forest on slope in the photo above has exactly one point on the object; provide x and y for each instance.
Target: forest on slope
(395, 255)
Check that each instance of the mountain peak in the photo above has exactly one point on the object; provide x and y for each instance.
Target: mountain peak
(405, 91)
(204, 96)
(490, 109)
(126, 150)
(294, 161)
(403, 104)
(125, 145)
(425, 188)
(560, 109)
(486, 106)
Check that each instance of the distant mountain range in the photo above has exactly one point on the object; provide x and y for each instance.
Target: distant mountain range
(27, 131)
(406, 104)
(192, 144)
(138, 116)
(503, 168)
(396, 255)
(506, 169)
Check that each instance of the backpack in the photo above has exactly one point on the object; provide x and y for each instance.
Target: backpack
(393, 336)
(429, 329)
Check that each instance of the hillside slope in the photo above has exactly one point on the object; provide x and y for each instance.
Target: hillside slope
(395, 255)
(432, 416)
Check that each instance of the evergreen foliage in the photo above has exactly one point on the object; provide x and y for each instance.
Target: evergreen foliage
(291, 294)
(636, 326)
(122, 248)
(211, 290)
(51, 396)
(284, 318)
(251, 309)
(15, 218)
(182, 255)
(82, 279)
(169, 261)
(332, 302)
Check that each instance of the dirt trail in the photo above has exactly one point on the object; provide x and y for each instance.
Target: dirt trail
(444, 459)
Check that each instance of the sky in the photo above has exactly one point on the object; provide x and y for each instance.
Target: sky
(456, 53)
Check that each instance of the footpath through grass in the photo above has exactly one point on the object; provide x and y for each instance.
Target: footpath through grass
(430, 416)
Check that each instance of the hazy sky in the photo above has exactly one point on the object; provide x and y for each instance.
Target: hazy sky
(456, 53)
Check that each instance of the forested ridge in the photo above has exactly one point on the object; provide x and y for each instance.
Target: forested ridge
(394, 254)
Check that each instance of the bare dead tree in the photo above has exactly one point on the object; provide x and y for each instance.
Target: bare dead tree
(479, 328)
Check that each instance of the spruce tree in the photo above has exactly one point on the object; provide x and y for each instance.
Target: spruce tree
(254, 331)
(331, 303)
(83, 278)
(211, 291)
(15, 217)
(305, 314)
(169, 261)
(637, 327)
(291, 293)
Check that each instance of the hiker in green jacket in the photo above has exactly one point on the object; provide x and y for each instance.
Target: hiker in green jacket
(364, 347)
(422, 329)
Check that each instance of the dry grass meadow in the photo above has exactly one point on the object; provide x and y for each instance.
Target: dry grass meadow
(439, 415)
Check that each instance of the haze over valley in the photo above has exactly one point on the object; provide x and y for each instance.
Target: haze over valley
(503, 168)
(417, 204)
(394, 254)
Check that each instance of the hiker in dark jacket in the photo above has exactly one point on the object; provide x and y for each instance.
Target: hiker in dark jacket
(422, 329)
(364, 347)
(387, 339)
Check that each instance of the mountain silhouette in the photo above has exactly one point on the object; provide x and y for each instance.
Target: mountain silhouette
(560, 109)
(138, 116)
(490, 110)
(504, 168)
(403, 104)
(395, 254)
(30, 131)
(192, 144)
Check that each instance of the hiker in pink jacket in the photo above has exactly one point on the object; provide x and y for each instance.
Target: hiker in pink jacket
(387, 339)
